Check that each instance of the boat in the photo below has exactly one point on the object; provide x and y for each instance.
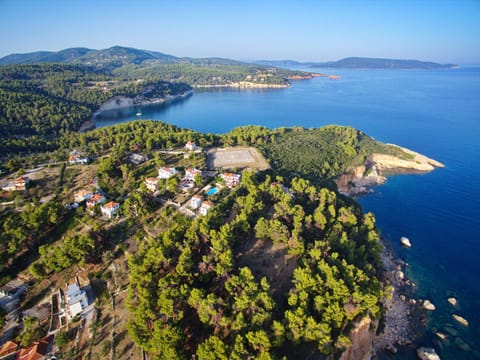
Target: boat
(405, 241)
(139, 113)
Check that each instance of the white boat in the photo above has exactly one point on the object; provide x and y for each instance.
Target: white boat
(139, 113)
(405, 241)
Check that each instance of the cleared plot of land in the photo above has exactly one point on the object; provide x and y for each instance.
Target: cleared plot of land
(236, 157)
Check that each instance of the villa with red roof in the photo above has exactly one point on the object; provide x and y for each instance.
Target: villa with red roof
(21, 183)
(109, 209)
(231, 180)
(94, 200)
(8, 350)
(37, 351)
(151, 183)
(82, 195)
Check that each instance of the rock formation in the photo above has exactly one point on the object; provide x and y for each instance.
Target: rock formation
(360, 179)
(426, 353)
(361, 337)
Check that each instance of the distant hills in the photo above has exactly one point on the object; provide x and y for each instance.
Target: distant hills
(118, 56)
(110, 58)
(360, 63)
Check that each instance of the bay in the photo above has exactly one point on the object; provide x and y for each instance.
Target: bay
(436, 113)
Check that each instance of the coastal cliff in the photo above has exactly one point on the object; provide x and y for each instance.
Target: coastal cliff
(361, 337)
(119, 102)
(360, 179)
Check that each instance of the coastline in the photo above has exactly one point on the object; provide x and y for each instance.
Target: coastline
(245, 85)
(404, 319)
(122, 102)
(360, 179)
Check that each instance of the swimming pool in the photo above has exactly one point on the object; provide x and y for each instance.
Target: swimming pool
(212, 191)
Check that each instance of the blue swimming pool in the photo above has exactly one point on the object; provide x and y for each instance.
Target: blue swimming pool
(212, 191)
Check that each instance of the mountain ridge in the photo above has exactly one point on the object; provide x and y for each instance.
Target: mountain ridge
(360, 63)
(114, 56)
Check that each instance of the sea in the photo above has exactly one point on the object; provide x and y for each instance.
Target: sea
(434, 112)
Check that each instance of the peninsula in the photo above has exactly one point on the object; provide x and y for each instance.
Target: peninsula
(245, 255)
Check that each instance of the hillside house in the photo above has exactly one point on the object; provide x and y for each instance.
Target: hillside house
(8, 350)
(95, 200)
(21, 183)
(37, 351)
(166, 172)
(190, 146)
(82, 195)
(195, 202)
(76, 300)
(231, 180)
(205, 207)
(190, 174)
(78, 159)
(109, 209)
(151, 183)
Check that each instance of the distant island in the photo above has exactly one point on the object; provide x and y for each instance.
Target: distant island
(361, 63)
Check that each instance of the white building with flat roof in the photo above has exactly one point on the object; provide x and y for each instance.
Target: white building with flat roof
(76, 300)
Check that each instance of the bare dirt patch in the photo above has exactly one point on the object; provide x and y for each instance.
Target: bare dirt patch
(236, 157)
(272, 261)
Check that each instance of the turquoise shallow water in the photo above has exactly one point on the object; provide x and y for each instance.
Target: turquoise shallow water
(434, 112)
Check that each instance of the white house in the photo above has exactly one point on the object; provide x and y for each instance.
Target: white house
(109, 209)
(231, 180)
(21, 183)
(76, 300)
(151, 183)
(205, 207)
(191, 146)
(82, 195)
(195, 201)
(190, 174)
(166, 172)
(77, 158)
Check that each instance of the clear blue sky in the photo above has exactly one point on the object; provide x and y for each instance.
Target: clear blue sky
(437, 30)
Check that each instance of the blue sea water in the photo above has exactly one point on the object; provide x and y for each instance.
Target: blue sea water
(436, 113)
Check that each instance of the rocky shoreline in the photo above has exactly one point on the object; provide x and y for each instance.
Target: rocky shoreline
(404, 318)
(360, 179)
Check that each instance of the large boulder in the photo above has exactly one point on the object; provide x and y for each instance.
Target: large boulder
(426, 353)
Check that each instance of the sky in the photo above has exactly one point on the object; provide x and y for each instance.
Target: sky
(322, 30)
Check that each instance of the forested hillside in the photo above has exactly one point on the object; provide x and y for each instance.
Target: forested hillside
(39, 103)
(316, 154)
(135, 63)
(268, 273)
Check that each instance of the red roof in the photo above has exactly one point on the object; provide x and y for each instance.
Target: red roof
(8, 348)
(207, 204)
(22, 179)
(111, 205)
(36, 351)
